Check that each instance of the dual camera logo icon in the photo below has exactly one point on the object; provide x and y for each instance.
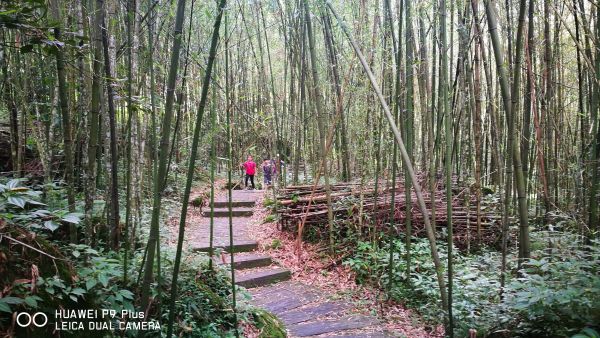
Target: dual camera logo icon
(25, 319)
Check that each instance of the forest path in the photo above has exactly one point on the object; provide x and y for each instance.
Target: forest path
(306, 310)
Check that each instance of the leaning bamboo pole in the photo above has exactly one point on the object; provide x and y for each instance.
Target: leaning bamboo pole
(190, 175)
(405, 158)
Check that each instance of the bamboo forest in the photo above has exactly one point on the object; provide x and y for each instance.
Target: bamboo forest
(300, 168)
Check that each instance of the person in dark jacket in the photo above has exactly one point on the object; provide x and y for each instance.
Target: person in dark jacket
(268, 171)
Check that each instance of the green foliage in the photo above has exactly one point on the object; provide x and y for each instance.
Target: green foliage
(88, 278)
(553, 295)
(43, 275)
(267, 202)
(93, 282)
(269, 325)
(271, 203)
(97, 278)
(100, 274)
(198, 201)
(203, 307)
(275, 244)
(20, 205)
(270, 218)
(6, 302)
(368, 263)
(588, 332)
(371, 264)
(22, 14)
(556, 295)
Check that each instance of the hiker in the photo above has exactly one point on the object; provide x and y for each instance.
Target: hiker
(273, 164)
(250, 168)
(268, 171)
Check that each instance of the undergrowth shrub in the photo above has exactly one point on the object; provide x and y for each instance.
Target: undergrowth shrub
(554, 294)
(60, 275)
(204, 302)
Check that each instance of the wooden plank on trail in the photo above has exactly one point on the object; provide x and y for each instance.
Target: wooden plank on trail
(311, 312)
(328, 326)
(262, 277)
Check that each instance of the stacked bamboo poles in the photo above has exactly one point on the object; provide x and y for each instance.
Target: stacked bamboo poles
(351, 203)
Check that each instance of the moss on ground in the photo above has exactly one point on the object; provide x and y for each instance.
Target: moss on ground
(269, 325)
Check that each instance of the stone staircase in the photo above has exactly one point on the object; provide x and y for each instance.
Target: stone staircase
(251, 269)
(305, 310)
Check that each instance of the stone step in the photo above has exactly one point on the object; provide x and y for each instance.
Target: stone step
(310, 312)
(368, 334)
(248, 261)
(238, 246)
(253, 279)
(224, 212)
(289, 302)
(234, 204)
(329, 326)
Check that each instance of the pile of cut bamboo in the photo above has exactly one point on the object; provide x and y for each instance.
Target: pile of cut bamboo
(360, 206)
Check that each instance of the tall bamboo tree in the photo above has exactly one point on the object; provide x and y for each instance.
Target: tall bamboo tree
(63, 98)
(510, 101)
(114, 156)
(321, 120)
(192, 162)
(447, 113)
(153, 239)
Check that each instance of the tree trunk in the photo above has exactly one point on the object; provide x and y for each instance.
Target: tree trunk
(510, 105)
(63, 97)
(153, 239)
(321, 118)
(192, 166)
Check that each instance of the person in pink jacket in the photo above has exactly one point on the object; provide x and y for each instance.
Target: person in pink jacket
(250, 168)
